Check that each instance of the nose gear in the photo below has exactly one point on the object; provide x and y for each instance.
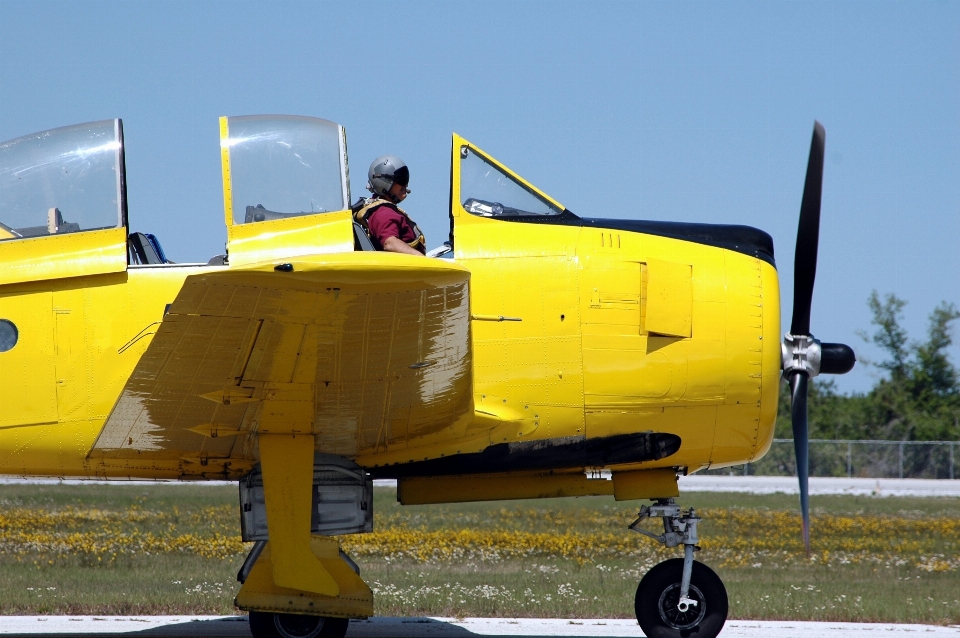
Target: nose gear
(678, 595)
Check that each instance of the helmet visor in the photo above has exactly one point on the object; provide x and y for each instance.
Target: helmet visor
(402, 176)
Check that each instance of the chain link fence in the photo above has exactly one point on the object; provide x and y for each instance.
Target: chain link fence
(862, 459)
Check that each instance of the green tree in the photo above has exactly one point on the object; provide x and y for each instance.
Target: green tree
(919, 399)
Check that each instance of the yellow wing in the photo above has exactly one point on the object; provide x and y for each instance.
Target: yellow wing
(368, 351)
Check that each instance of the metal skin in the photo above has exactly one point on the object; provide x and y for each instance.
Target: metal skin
(579, 363)
(587, 298)
(531, 333)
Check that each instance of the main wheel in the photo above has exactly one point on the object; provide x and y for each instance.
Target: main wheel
(659, 593)
(270, 625)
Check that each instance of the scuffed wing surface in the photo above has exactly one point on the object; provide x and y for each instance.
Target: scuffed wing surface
(371, 354)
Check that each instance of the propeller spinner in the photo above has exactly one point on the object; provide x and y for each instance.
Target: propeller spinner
(804, 357)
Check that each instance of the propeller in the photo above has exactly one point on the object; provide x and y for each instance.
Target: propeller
(804, 357)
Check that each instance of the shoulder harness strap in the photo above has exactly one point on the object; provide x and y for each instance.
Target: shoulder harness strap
(362, 209)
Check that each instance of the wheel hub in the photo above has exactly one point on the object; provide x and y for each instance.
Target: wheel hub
(297, 626)
(670, 607)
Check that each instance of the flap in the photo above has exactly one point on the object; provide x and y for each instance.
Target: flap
(364, 350)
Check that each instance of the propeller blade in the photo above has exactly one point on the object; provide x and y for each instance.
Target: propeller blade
(801, 446)
(808, 234)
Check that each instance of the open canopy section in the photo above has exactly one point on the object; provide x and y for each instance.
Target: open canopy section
(63, 180)
(279, 166)
(488, 190)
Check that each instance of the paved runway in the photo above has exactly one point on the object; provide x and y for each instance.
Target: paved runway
(236, 627)
(695, 483)
(821, 485)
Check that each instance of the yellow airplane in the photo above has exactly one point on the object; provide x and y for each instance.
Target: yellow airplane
(538, 354)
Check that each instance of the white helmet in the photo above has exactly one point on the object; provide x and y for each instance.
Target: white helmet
(384, 172)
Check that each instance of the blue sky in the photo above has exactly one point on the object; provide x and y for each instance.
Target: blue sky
(686, 111)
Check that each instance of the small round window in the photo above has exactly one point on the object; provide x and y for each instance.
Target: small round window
(8, 335)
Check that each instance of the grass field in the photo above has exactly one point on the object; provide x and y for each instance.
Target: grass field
(128, 549)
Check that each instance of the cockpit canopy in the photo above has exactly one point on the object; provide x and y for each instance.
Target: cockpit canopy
(63, 180)
(490, 191)
(279, 166)
(288, 172)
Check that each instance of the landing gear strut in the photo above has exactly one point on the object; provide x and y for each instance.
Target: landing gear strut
(679, 597)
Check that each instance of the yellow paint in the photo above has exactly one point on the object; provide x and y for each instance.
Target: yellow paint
(213, 430)
(645, 484)
(227, 177)
(497, 487)
(511, 486)
(92, 252)
(260, 593)
(532, 332)
(287, 465)
(278, 351)
(373, 355)
(670, 297)
(658, 334)
(285, 239)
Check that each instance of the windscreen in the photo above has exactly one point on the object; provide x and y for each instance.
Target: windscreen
(488, 191)
(284, 166)
(63, 180)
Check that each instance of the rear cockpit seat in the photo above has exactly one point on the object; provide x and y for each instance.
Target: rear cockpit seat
(55, 226)
(144, 249)
(360, 239)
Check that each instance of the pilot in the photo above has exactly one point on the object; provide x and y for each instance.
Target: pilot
(387, 225)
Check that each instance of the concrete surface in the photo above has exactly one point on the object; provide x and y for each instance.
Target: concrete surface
(818, 485)
(695, 483)
(236, 627)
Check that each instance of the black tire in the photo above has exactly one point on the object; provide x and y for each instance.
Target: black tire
(659, 591)
(270, 625)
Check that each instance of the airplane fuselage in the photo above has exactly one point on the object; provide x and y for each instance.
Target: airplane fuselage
(582, 361)
(595, 344)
